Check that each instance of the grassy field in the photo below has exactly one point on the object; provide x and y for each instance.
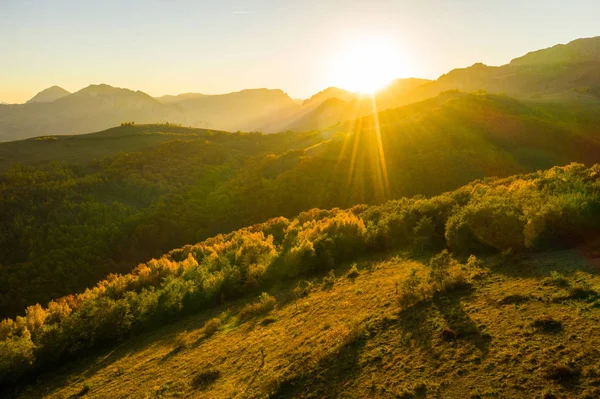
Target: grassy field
(526, 327)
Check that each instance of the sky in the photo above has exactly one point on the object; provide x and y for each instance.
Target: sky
(219, 46)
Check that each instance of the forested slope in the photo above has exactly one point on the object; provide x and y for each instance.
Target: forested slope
(66, 225)
(517, 215)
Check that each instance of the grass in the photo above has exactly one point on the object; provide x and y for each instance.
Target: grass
(489, 339)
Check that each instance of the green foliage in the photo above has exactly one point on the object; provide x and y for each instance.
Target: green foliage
(412, 289)
(225, 267)
(558, 279)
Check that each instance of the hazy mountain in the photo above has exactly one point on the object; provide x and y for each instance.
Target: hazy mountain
(243, 110)
(48, 95)
(98, 107)
(580, 50)
(563, 72)
(330, 92)
(179, 97)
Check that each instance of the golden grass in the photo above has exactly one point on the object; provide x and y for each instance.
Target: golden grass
(350, 339)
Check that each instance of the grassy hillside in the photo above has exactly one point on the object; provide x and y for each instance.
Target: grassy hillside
(64, 226)
(87, 148)
(498, 315)
(352, 339)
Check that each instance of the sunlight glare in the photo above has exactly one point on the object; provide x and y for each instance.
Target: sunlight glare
(366, 65)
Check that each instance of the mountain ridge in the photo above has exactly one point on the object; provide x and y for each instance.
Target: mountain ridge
(534, 75)
(49, 95)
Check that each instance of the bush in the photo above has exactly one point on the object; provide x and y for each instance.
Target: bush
(412, 289)
(181, 341)
(205, 379)
(493, 223)
(557, 279)
(265, 304)
(212, 326)
(547, 324)
(353, 272)
(562, 373)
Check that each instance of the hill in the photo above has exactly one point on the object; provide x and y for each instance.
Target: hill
(48, 95)
(496, 313)
(86, 148)
(160, 187)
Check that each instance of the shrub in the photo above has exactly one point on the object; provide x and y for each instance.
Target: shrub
(562, 373)
(181, 341)
(212, 326)
(424, 234)
(493, 222)
(439, 268)
(557, 279)
(330, 279)
(353, 272)
(205, 379)
(265, 304)
(449, 334)
(412, 289)
(547, 324)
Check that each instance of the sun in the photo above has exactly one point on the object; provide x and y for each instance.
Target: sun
(366, 65)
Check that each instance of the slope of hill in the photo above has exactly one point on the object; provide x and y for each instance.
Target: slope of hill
(182, 185)
(86, 148)
(48, 95)
(499, 315)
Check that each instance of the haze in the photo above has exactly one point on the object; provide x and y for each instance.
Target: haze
(169, 47)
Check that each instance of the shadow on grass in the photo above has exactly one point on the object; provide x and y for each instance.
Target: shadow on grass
(326, 379)
(413, 321)
(452, 310)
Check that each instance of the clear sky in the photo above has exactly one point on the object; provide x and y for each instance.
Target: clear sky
(217, 46)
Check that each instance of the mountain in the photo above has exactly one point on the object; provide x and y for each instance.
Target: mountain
(244, 110)
(577, 51)
(102, 106)
(179, 97)
(330, 92)
(49, 95)
(562, 73)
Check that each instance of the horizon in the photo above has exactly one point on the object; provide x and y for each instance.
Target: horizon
(205, 57)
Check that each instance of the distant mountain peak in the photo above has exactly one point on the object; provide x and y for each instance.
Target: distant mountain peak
(328, 93)
(49, 95)
(579, 50)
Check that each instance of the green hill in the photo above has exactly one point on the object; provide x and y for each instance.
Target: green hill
(499, 312)
(135, 192)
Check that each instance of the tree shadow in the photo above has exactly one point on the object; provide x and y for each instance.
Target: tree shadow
(539, 265)
(413, 321)
(326, 379)
(451, 309)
